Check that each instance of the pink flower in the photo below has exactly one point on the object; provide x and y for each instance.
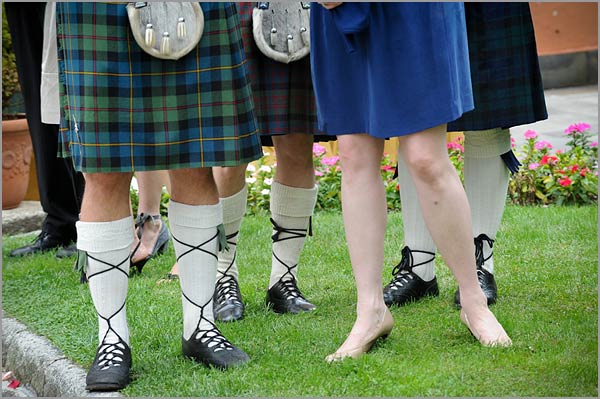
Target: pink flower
(551, 159)
(317, 173)
(530, 134)
(330, 161)
(574, 168)
(577, 128)
(318, 149)
(565, 182)
(558, 152)
(387, 167)
(594, 144)
(533, 165)
(512, 142)
(540, 145)
(455, 145)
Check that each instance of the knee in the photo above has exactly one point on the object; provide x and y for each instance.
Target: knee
(426, 168)
(294, 152)
(113, 182)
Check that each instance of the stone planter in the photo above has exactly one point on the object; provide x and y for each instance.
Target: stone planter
(16, 160)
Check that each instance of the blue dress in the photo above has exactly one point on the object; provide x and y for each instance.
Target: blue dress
(389, 69)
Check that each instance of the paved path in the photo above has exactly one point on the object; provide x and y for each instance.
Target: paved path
(565, 107)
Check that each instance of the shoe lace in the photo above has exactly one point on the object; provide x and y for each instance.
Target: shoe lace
(227, 288)
(403, 270)
(288, 280)
(212, 337)
(111, 355)
(289, 288)
(479, 257)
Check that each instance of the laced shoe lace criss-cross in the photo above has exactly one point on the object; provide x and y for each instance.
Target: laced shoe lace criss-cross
(110, 368)
(208, 346)
(406, 286)
(228, 304)
(285, 296)
(487, 282)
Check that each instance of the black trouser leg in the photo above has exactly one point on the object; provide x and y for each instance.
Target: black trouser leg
(60, 186)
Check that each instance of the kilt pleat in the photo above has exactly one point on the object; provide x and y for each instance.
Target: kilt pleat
(505, 72)
(125, 110)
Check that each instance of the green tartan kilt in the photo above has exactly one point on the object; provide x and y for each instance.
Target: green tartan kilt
(505, 72)
(125, 110)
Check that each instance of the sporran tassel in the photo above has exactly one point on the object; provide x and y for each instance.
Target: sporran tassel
(165, 44)
(181, 29)
(304, 36)
(290, 43)
(149, 37)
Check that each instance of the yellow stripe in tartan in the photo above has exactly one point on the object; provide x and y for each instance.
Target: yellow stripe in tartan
(242, 136)
(197, 70)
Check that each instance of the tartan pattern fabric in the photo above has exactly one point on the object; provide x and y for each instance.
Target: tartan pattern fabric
(283, 94)
(125, 110)
(505, 73)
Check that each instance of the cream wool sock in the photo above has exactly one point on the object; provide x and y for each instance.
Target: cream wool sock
(416, 235)
(234, 209)
(486, 182)
(107, 245)
(291, 209)
(195, 238)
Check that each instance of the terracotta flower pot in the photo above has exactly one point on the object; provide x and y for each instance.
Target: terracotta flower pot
(16, 158)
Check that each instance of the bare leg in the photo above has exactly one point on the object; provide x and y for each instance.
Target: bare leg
(150, 186)
(446, 211)
(294, 160)
(365, 217)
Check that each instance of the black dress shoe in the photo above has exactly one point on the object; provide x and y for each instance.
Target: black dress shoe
(407, 286)
(211, 348)
(110, 370)
(67, 252)
(227, 300)
(487, 284)
(486, 279)
(44, 242)
(285, 297)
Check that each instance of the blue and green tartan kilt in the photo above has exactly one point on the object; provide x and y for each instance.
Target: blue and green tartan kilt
(125, 110)
(283, 94)
(505, 73)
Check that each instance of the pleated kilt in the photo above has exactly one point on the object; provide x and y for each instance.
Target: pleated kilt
(505, 73)
(283, 94)
(125, 110)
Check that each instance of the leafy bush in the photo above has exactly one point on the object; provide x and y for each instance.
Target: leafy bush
(10, 78)
(562, 177)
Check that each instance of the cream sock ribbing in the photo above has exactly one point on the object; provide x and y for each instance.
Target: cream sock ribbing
(234, 209)
(107, 245)
(291, 208)
(195, 238)
(486, 182)
(416, 234)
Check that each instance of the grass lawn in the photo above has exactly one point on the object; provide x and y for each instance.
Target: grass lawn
(546, 262)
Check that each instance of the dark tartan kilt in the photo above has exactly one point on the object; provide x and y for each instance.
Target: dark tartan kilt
(507, 84)
(283, 95)
(125, 110)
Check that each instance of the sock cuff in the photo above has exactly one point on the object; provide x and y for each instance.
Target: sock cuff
(487, 143)
(234, 206)
(104, 236)
(199, 216)
(293, 201)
